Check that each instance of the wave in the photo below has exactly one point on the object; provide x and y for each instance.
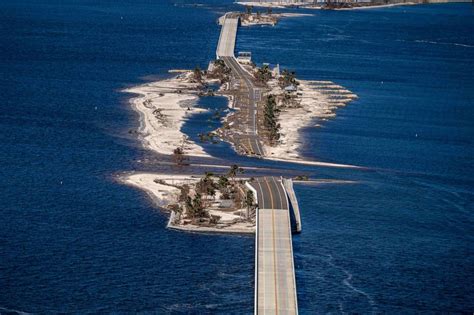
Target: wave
(9, 310)
(347, 283)
(424, 41)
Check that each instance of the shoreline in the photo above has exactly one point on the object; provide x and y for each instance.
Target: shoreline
(163, 190)
(279, 5)
(313, 104)
(163, 106)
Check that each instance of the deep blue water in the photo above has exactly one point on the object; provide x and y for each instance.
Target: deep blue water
(397, 240)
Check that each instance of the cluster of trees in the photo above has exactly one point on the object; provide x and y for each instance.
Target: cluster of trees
(207, 187)
(263, 74)
(205, 137)
(248, 10)
(270, 118)
(195, 207)
(287, 78)
(220, 71)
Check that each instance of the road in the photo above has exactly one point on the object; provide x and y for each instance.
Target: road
(275, 286)
(225, 51)
(228, 36)
(251, 139)
(275, 273)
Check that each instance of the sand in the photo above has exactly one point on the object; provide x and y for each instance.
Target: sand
(314, 103)
(163, 111)
(160, 188)
(162, 195)
(377, 6)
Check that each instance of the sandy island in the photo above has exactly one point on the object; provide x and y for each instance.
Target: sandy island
(319, 6)
(314, 99)
(164, 189)
(163, 107)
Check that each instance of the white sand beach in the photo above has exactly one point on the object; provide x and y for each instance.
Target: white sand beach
(163, 191)
(314, 103)
(163, 107)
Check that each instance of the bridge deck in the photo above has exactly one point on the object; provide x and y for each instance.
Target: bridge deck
(226, 45)
(275, 276)
(275, 287)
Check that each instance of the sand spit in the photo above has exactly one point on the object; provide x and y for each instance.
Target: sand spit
(267, 19)
(163, 107)
(313, 102)
(280, 5)
(277, 5)
(163, 190)
(377, 6)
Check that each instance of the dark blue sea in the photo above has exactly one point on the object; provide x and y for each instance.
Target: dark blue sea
(397, 239)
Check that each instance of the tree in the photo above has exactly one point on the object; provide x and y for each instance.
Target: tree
(269, 118)
(223, 184)
(263, 74)
(248, 9)
(249, 201)
(197, 74)
(206, 185)
(287, 78)
(234, 169)
(184, 192)
(178, 156)
(195, 208)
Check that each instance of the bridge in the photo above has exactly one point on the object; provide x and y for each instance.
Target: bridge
(275, 285)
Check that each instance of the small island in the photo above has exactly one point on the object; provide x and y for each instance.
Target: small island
(211, 203)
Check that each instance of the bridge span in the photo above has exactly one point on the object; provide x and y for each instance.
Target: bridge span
(275, 285)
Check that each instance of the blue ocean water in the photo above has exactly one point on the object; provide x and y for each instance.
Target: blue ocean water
(397, 240)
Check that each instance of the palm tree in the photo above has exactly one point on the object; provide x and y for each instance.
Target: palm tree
(249, 202)
(234, 169)
(178, 156)
(248, 9)
(198, 74)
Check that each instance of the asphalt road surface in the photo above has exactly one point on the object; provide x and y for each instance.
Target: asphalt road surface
(275, 276)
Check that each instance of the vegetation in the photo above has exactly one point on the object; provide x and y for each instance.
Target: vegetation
(184, 193)
(301, 177)
(197, 74)
(220, 71)
(223, 185)
(206, 185)
(270, 118)
(287, 78)
(205, 137)
(233, 171)
(263, 74)
(194, 202)
(195, 208)
(249, 201)
(248, 9)
(179, 157)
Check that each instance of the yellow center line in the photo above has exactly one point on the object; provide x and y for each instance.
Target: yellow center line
(274, 247)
